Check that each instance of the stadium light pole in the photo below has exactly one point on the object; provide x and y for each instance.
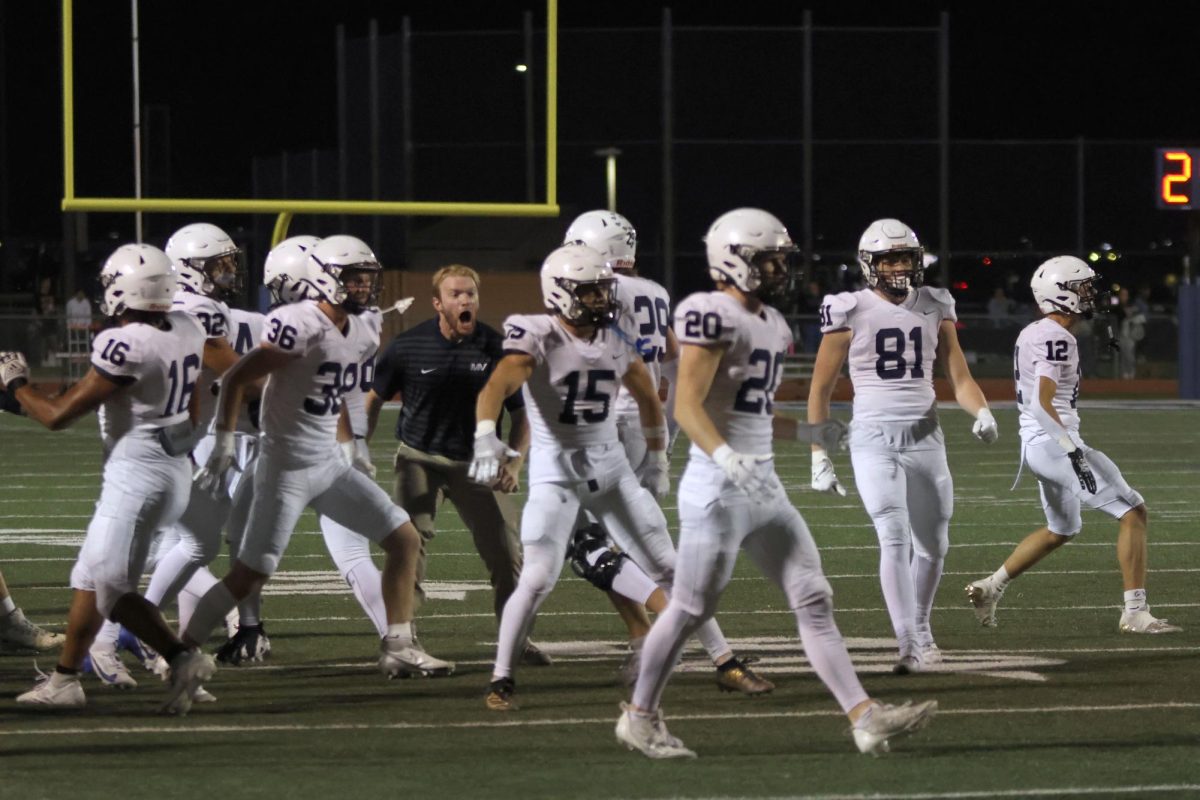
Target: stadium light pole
(609, 154)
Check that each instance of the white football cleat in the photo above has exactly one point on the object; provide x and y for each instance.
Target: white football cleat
(409, 661)
(649, 735)
(931, 654)
(874, 729)
(109, 668)
(54, 691)
(1143, 621)
(188, 671)
(17, 632)
(984, 595)
(203, 695)
(908, 664)
(231, 623)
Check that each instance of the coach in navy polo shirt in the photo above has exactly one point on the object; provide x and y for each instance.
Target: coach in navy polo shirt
(438, 368)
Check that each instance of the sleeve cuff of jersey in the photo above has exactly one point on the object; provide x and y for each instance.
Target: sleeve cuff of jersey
(119, 380)
(1046, 371)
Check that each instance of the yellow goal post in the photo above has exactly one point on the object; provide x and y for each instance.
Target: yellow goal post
(285, 209)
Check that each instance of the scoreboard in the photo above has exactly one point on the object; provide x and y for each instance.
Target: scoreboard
(1178, 173)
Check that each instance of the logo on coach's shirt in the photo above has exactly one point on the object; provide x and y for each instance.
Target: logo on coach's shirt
(479, 366)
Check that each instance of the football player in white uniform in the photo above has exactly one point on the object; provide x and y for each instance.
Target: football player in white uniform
(1070, 473)
(286, 278)
(208, 267)
(733, 342)
(890, 332)
(569, 364)
(312, 351)
(644, 323)
(16, 631)
(142, 378)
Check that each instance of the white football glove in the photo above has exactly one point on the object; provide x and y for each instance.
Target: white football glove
(656, 474)
(490, 453)
(14, 371)
(824, 479)
(985, 429)
(400, 306)
(358, 454)
(742, 471)
(211, 477)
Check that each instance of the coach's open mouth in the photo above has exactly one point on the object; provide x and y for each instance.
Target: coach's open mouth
(464, 317)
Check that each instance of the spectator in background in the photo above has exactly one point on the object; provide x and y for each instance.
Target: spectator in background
(1131, 331)
(1000, 308)
(1142, 301)
(79, 312)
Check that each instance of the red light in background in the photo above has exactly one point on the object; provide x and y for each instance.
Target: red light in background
(987, 261)
(961, 286)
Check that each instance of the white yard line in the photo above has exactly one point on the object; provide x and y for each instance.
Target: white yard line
(492, 724)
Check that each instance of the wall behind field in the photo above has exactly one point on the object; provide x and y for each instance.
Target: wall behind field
(501, 294)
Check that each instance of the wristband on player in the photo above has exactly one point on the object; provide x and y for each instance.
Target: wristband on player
(484, 427)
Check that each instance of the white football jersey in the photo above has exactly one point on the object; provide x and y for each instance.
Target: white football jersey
(643, 325)
(741, 400)
(1046, 349)
(356, 399)
(570, 395)
(245, 332)
(160, 367)
(215, 317)
(892, 349)
(302, 400)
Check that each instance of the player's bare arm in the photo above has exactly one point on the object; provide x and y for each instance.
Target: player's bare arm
(251, 368)
(509, 480)
(59, 412)
(966, 391)
(639, 383)
(509, 376)
(697, 369)
(219, 355)
(831, 355)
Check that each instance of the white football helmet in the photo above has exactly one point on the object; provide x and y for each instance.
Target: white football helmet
(751, 249)
(286, 270)
(609, 234)
(1066, 285)
(335, 259)
(577, 284)
(207, 260)
(139, 277)
(891, 236)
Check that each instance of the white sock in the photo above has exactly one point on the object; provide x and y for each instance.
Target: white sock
(927, 574)
(660, 653)
(1135, 600)
(826, 651)
(364, 580)
(250, 611)
(1000, 577)
(106, 639)
(174, 569)
(210, 612)
(7, 606)
(895, 578)
(401, 632)
(631, 581)
(712, 640)
(190, 595)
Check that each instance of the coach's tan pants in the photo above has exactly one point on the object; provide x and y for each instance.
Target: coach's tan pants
(424, 481)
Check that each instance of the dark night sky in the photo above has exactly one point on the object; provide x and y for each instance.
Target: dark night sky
(1019, 70)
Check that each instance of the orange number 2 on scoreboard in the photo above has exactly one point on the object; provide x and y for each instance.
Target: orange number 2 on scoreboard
(1182, 176)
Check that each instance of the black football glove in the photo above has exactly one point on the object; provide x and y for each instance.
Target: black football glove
(1086, 479)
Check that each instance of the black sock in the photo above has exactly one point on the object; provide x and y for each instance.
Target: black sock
(732, 663)
(174, 650)
(61, 670)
